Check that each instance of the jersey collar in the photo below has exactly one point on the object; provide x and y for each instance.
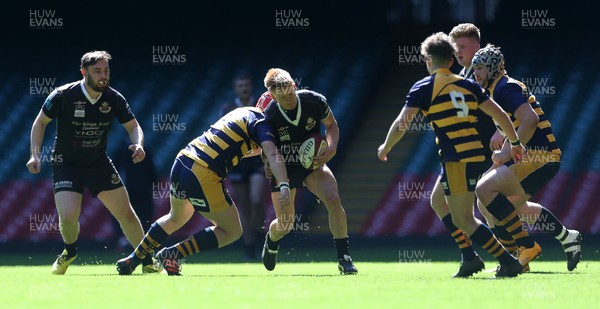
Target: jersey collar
(468, 72)
(87, 95)
(298, 113)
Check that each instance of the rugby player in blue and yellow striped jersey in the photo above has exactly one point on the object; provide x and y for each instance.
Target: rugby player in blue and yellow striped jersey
(448, 101)
(521, 180)
(197, 184)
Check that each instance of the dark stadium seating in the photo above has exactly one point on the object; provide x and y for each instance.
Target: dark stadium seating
(571, 195)
(345, 76)
(195, 98)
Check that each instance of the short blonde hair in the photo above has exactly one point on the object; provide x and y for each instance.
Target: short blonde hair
(465, 30)
(278, 78)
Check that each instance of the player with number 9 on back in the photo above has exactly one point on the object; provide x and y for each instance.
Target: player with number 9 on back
(448, 101)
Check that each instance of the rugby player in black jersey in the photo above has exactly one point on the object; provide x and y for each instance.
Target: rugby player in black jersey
(197, 184)
(84, 111)
(294, 115)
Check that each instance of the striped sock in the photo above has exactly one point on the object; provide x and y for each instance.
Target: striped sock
(202, 241)
(462, 240)
(485, 238)
(155, 236)
(562, 236)
(505, 238)
(505, 212)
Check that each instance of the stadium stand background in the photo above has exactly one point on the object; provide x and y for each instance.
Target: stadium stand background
(350, 52)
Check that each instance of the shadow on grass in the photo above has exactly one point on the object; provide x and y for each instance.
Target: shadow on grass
(261, 276)
(209, 276)
(553, 273)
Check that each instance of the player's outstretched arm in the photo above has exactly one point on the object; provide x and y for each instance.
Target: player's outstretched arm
(137, 140)
(396, 131)
(279, 171)
(36, 137)
(491, 108)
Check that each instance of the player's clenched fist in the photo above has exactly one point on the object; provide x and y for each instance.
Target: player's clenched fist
(382, 153)
(138, 154)
(34, 165)
(517, 153)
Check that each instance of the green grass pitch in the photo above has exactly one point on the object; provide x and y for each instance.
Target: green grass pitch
(300, 285)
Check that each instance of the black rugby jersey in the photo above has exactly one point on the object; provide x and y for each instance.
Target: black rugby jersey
(293, 127)
(82, 127)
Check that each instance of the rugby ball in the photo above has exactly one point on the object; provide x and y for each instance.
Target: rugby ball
(313, 145)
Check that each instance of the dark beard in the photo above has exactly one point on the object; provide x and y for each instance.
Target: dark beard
(94, 87)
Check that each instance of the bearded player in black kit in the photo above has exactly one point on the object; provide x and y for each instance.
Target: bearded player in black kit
(84, 111)
(294, 115)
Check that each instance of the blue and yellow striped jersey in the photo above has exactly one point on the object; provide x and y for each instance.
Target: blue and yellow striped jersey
(230, 138)
(449, 102)
(510, 93)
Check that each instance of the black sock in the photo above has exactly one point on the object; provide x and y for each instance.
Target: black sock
(147, 260)
(549, 222)
(341, 245)
(484, 237)
(71, 249)
(272, 245)
(462, 240)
